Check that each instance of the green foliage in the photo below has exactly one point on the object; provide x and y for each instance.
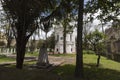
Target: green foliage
(40, 43)
(88, 52)
(25, 17)
(51, 41)
(3, 56)
(96, 40)
(105, 8)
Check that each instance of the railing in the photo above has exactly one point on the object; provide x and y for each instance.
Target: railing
(7, 51)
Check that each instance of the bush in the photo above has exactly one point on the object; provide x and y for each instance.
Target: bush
(88, 52)
(3, 56)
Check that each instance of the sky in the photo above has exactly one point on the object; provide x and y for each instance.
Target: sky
(85, 1)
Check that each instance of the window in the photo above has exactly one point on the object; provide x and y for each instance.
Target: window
(57, 37)
(57, 49)
(61, 38)
(71, 49)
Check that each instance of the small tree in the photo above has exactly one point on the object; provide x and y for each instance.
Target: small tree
(51, 42)
(96, 40)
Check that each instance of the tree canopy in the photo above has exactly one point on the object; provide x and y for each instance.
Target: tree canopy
(108, 9)
(23, 16)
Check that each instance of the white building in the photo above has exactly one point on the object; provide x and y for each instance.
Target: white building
(70, 41)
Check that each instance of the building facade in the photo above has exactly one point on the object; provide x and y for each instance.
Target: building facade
(113, 40)
(70, 41)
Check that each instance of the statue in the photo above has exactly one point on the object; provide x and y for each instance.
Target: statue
(43, 56)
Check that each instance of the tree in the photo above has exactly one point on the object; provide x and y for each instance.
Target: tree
(24, 16)
(66, 29)
(86, 30)
(32, 45)
(79, 55)
(96, 40)
(108, 10)
(51, 42)
(46, 27)
(9, 35)
(5, 28)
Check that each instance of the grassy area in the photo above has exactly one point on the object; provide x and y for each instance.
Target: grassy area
(25, 74)
(63, 55)
(108, 70)
(4, 58)
(104, 63)
(35, 54)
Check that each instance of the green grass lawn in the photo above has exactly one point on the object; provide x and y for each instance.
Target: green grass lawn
(35, 54)
(63, 55)
(4, 58)
(108, 70)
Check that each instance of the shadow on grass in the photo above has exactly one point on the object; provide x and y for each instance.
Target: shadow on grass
(91, 72)
(94, 73)
(65, 72)
(10, 73)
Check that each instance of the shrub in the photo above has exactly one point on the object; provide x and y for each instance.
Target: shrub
(88, 52)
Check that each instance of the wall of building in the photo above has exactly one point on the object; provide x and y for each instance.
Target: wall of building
(70, 41)
(113, 40)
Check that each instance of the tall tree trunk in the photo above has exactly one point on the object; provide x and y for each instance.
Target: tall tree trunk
(21, 41)
(98, 54)
(85, 39)
(8, 43)
(98, 60)
(64, 39)
(79, 56)
(9, 36)
(46, 45)
(46, 36)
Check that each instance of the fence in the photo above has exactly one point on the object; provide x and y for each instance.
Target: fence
(7, 51)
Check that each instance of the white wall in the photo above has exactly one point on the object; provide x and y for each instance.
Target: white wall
(70, 43)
